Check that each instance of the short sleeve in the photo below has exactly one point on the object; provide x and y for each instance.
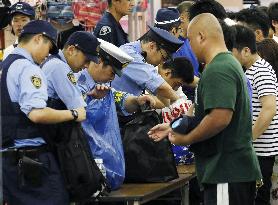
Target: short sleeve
(265, 82)
(33, 89)
(219, 89)
(144, 75)
(64, 83)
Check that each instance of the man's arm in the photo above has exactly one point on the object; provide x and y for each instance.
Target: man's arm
(213, 123)
(165, 91)
(266, 115)
(50, 116)
(132, 103)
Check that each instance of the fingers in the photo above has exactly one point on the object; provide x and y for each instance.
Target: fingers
(102, 87)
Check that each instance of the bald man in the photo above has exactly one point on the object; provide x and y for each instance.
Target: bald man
(226, 164)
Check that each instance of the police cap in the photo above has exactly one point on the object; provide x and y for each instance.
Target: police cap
(44, 28)
(86, 42)
(165, 40)
(22, 8)
(166, 17)
(114, 56)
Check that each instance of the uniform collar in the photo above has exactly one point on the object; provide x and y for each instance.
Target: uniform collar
(111, 18)
(24, 53)
(137, 46)
(62, 56)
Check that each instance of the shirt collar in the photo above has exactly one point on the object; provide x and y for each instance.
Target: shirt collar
(137, 46)
(24, 53)
(62, 56)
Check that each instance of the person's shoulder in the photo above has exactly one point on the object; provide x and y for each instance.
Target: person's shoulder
(53, 63)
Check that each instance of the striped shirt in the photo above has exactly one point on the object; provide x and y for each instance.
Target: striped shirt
(264, 82)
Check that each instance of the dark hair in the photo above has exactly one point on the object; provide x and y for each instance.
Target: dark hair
(146, 38)
(268, 50)
(184, 6)
(25, 38)
(181, 67)
(273, 11)
(207, 6)
(255, 18)
(229, 34)
(244, 37)
(231, 15)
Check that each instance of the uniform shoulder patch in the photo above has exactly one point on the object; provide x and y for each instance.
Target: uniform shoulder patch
(72, 78)
(105, 30)
(36, 81)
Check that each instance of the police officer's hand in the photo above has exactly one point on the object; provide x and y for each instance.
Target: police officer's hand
(143, 99)
(99, 91)
(81, 114)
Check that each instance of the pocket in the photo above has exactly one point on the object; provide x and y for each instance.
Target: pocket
(29, 172)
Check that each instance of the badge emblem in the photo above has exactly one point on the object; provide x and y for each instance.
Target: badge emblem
(36, 81)
(104, 30)
(72, 78)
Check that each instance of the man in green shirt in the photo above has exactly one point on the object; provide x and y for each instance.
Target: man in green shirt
(226, 164)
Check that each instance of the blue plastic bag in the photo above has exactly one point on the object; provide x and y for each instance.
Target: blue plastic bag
(103, 133)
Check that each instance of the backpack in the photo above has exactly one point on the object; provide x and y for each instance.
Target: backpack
(81, 174)
(146, 160)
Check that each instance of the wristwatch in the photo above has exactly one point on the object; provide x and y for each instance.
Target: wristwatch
(74, 114)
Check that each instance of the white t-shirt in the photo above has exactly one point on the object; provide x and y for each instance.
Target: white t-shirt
(9, 50)
(264, 82)
(275, 38)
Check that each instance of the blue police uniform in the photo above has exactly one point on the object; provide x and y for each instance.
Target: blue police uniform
(61, 82)
(30, 172)
(138, 75)
(110, 30)
(186, 51)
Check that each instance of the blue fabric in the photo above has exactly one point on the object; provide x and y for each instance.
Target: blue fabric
(51, 192)
(182, 155)
(249, 88)
(103, 133)
(61, 83)
(186, 51)
(138, 75)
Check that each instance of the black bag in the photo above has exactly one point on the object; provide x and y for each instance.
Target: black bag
(146, 160)
(81, 174)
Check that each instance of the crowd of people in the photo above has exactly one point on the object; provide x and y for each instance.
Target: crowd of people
(199, 62)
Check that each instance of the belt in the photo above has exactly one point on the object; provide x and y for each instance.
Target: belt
(32, 152)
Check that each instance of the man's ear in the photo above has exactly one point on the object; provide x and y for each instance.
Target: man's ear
(259, 35)
(201, 36)
(71, 50)
(246, 52)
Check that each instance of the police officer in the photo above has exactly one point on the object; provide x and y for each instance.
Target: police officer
(30, 171)
(81, 48)
(155, 47)
(109, 28)
(169, 20)
(21, 13)
(94, 79)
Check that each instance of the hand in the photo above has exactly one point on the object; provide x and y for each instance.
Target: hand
(159, 131)
(99, 91)
(141, 100)
(81, 114)
(178, 139)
